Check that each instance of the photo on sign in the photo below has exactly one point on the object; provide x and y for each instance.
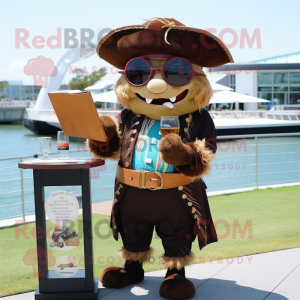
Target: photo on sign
(66, 266)
(64, 239)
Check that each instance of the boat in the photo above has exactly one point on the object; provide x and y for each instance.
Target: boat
(227, 122)
(13, 111)
(44, 121)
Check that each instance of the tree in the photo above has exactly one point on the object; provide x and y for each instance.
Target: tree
(3, 84)
(81, 81)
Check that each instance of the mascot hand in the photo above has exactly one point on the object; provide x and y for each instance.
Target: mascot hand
(108, 148)
(109, 126)
(174, 151)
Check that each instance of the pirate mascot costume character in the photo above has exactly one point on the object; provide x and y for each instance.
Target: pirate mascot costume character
(159, 179)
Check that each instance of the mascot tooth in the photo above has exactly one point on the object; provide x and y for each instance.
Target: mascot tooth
(159, 182)
(168, 104)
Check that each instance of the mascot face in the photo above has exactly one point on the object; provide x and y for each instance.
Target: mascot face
(158, 98)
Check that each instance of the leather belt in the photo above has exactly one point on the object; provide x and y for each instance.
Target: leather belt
(151, 180)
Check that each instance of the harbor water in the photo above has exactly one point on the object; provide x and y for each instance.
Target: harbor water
(278, 162)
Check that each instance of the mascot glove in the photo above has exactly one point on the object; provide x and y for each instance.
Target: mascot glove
(175, 152)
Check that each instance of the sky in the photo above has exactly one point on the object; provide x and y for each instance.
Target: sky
(276, 24)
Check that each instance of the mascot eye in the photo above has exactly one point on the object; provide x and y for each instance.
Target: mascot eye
(138, 71)
(178, 72)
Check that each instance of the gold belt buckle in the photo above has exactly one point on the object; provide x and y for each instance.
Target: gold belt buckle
(161, 183)
(142, 182)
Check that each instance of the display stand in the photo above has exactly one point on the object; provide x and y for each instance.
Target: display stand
(51, 285)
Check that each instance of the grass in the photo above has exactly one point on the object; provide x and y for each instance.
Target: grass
(273, 213)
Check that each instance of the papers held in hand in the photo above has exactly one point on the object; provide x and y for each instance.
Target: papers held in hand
(77, 114)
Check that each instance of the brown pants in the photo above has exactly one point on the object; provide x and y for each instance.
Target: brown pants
(142, 210)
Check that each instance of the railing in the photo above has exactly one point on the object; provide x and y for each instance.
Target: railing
(22, 190)
(49, 115)
(238, 114)
(292, 115)
(257, 160)
(286, 107)
(261, 166)
(19, 103)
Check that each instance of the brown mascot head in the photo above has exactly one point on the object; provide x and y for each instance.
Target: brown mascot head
(162, 62)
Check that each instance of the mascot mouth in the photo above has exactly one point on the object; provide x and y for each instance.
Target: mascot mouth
(165, 101)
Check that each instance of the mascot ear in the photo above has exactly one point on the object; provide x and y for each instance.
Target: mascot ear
(202, 98)
(120, 90)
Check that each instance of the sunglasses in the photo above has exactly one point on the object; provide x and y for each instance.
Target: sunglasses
(176, 71)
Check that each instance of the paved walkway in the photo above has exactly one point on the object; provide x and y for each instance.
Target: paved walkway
(102, 208)
(268, 276)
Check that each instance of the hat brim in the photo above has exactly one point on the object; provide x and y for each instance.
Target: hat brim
(197, 45)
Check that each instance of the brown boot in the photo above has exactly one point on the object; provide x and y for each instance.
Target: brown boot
(118, 277)
(175, 286)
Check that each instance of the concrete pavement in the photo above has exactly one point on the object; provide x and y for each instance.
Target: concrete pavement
(267, 276)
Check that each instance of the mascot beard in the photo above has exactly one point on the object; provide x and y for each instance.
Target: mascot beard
(159, 182)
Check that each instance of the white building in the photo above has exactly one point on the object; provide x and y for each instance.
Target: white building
(275, 78)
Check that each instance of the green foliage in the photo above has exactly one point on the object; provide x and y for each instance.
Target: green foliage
(83, 80)
(3, 84)
(99, 104)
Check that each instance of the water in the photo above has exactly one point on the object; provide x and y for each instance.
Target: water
(61, 153)
(233, 168)
(18, 141)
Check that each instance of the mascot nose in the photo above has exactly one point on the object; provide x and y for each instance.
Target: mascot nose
(157, 86)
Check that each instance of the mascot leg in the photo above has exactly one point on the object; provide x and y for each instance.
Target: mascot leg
(118, 277)
(140, 212)
(136, 232)
(175, 286)
(176, 232)
(132, 271)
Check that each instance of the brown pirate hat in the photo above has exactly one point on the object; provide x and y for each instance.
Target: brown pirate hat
(163, 36)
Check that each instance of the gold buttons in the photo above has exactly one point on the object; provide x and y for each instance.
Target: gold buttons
(190, 203)
(137, 123)
(126, 164)
(115, 200)
(186, 129)
(128, 150)
(187, 120)
(117, 192)
(180, 188)
(134, 131)
(139, 115)
(121, 186)
(132, 139)
(184, 196)
(193, 210)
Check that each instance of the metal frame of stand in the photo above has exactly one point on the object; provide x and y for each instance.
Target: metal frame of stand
(82, 286)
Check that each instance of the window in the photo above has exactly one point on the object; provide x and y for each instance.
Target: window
(265, 79)
(280, 98)
(266, 96)
(232, 82)
(281, 78)
(281, 87)
(294, 81)
(294, 98)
